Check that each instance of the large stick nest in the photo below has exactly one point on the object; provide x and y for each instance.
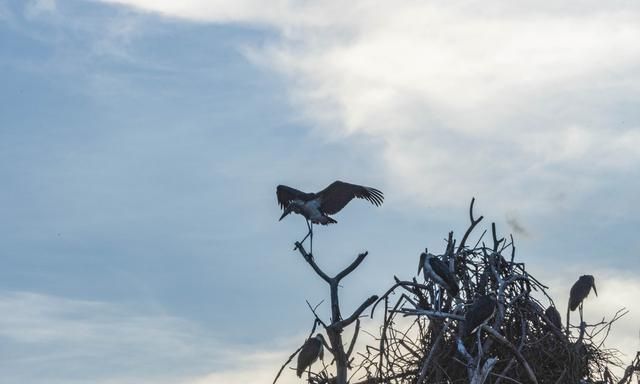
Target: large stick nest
(422, 341)
(422, 338)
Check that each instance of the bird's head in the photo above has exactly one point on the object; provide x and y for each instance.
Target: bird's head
(293, 206)
(320, 338)
(593, 284)
(423, 259)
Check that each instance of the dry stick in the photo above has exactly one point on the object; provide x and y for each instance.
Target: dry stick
(474, 222)
(334, 330)
(513, 349)
(355, 337)
(434, 347)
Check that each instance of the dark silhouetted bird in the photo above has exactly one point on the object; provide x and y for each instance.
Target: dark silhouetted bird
(438, 271)
(316, 207)
(553, 316)
(580, 291)
(312, 349)
(480, 312)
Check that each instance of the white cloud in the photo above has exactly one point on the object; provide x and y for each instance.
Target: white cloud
(71, 340)
(79, 341)
(35, 8)
(459, 96)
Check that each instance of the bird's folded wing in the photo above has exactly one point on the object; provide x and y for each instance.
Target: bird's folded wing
(339, 194)
(442, 269)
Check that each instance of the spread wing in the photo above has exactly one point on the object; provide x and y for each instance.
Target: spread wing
(287, 194)
(339, 194)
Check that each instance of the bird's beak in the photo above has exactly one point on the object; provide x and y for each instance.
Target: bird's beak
(285, 213)
(423, 256)
(595, 290)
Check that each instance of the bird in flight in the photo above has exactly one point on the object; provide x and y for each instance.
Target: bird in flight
(316, 207)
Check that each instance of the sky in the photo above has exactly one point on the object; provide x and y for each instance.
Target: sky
(141, 142)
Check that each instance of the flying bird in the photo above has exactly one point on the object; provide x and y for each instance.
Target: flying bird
(480, 312)
(316, 207)
(553, 316)
(311, 350)
(438, 271)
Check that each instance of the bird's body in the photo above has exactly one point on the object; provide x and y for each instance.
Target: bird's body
(553, 316)
(316, 207)
(312, 349)
(438, 271)
(311, 211)
(481, 311)
(580, 290)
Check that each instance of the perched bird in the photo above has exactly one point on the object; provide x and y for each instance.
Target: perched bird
(311, 350)
(553, 316)
(316, 207)
(438, 271)
(580, 291)
(481, 311)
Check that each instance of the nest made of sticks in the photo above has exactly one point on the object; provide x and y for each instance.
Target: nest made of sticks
(421, 339)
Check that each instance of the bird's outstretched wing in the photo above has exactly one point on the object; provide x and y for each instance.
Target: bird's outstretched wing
(287, 194)
(339, 194)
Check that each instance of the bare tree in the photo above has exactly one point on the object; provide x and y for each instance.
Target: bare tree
(423, 339)
(337, 323)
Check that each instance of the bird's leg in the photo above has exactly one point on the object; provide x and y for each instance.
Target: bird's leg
(479, 343)
(311, 238)
(581, 319)
(308, 233)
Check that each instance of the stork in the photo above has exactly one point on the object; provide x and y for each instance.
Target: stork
(309, 353)
(553, 316)
(579, 291)
(480, 312)
(316, 207)
(438, 271)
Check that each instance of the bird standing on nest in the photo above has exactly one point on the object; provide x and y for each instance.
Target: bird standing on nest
(480, 312)
(316, 207)
(579, 291)
(553, 316)
(438, 271)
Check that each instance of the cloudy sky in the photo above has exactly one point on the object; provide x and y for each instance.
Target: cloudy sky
(141, 142)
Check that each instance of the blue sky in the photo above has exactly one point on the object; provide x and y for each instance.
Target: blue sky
(141, 143)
